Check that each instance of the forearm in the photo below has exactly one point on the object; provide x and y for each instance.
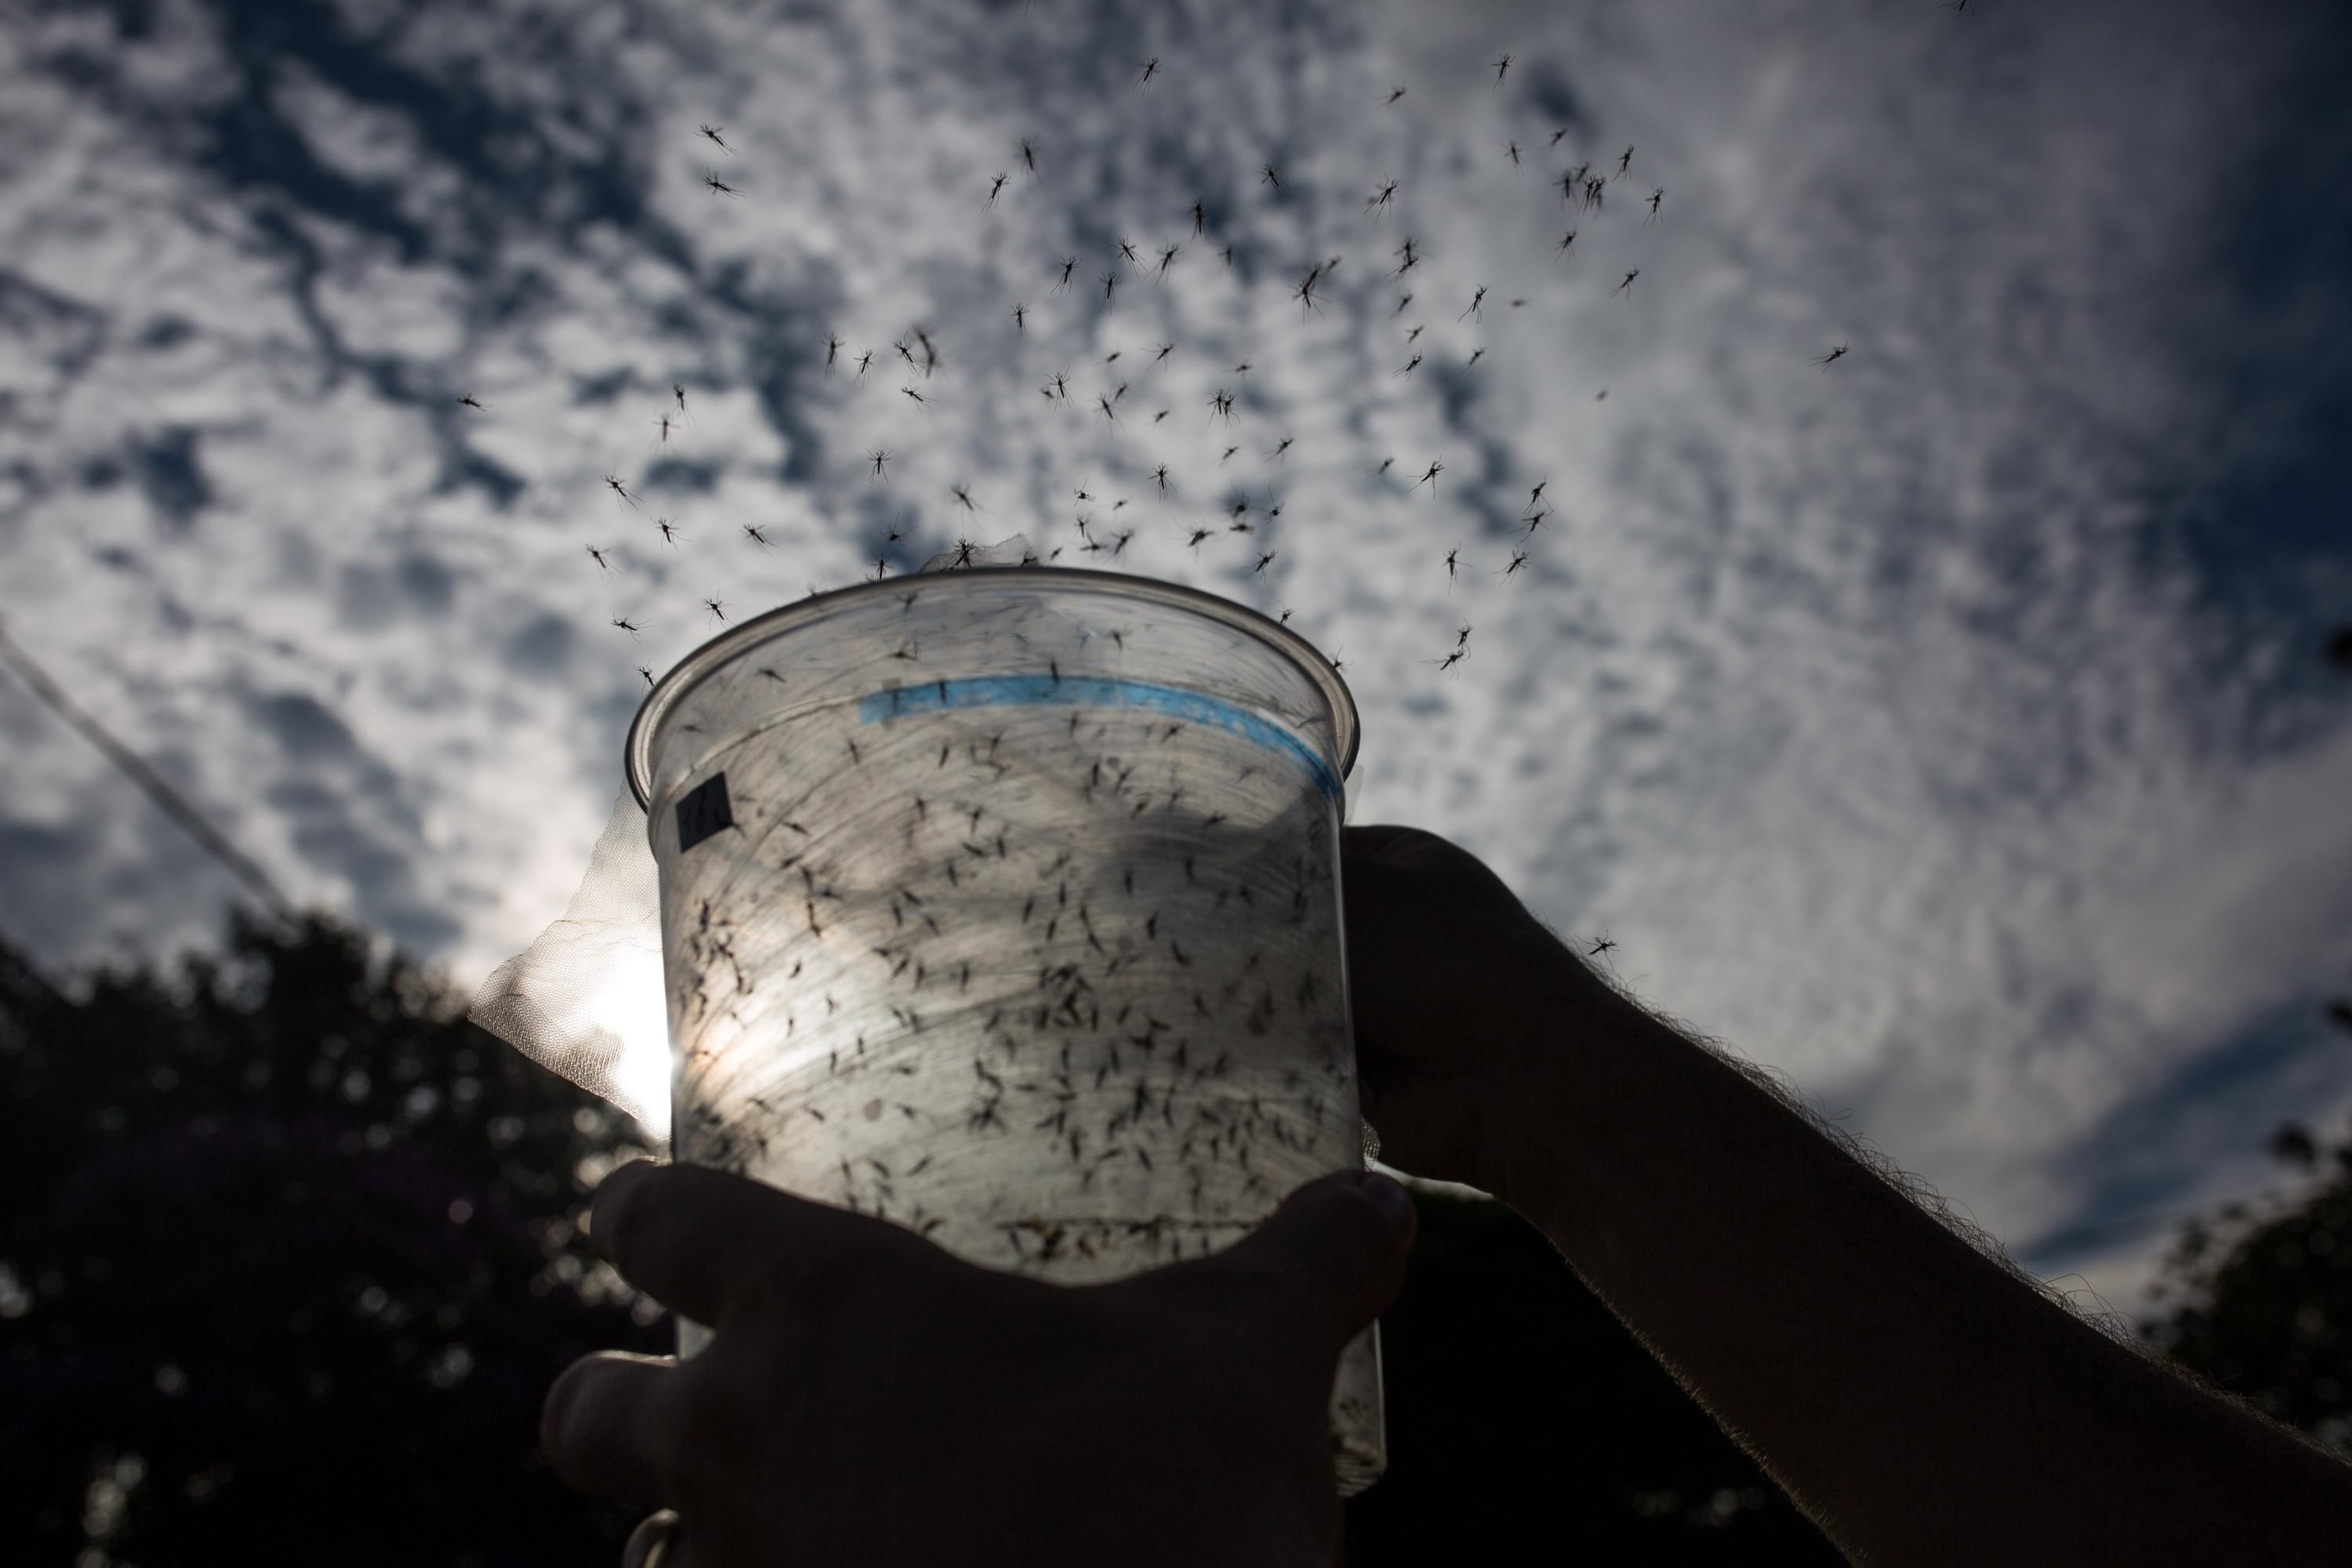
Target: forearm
(1920, 1402)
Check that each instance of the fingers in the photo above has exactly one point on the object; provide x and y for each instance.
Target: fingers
(607, 1426)
(1379, 839)
(1333, 1251)
(703, 1242)
(656, 1542)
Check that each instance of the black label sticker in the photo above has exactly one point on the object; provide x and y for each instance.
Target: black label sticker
(703, 812)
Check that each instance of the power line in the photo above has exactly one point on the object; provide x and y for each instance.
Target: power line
(173, 804)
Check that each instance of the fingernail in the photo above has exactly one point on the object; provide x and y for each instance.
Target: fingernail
(1393, 1201)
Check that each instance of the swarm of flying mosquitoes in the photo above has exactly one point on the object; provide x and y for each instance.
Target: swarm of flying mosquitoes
(1582, 189)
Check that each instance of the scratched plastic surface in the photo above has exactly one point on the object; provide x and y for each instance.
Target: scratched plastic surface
(1002, 903)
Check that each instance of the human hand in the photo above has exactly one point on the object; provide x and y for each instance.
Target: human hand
(869, 1399)
(1456, 992)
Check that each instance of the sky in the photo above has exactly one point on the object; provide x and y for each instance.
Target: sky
(1942, 725)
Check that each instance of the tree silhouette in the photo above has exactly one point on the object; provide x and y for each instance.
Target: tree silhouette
(2264, 1291)
(292, 1260)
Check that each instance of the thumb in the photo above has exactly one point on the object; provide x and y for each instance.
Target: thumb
(1336, 1246)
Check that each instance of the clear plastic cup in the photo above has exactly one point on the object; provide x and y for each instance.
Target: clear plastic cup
(1003, 903)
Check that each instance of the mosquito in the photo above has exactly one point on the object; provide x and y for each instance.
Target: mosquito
(1656, 195)
(1270, 177)
(1061, 387)
(1394, 93)
(626, 624)
(1566, 240)
(880, 457)
(757, 537)
(1222, 403)
(1110, 282)
(1021, 317)
(1401, 303)
(1536, 494)
(1512, 148)
(1412, 257)
(1450, 660)
(1556, 136)
(1386, 464)
(1159, 417)
(1603, 945)
(1107, 411)
(1200, 220)
(1161, 473)
(1629, 281)
(679, 388)
(468, 401)
(1380, 199)
(1165, 350)
(1534, 519)
(1029, 154)
(1167, 256)
(1626, 159)
(863, 360)
(668, 531)
(1265, 561)
(1278, 451)
(1199, 534)
(712, 132)
(1069, 265)
(1228, 253)
(1430, 478)
(1410, 336)
(1243, 368)
(1595, 192)
(648, 674)
(599, 557)
(1475, 301)
(719, 185)
(1501, 66)
(615, 486)
(715, 609)
(913, 393)
(963, 493)
(930, 354)
(1476, 355)
(1568, 180)
(1117, 549)
(1127, 249)
(1518, 559)
(1151, 69)
(1410, 366)
(665, 422)
(1450, 556)
(1832, 356)
(1227, 454)
(1305, 292)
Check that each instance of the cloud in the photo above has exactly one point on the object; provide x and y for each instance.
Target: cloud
(1936, 724)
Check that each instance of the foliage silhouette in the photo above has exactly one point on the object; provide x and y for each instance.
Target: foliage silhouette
(291, 1263)
(2263, 1292)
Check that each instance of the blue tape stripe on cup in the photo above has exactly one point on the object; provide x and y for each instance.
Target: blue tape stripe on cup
(1093, 691)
